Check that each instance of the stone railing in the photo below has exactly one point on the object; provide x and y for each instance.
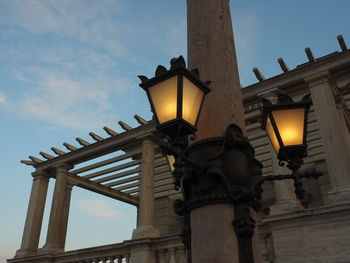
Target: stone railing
(166, 250)
(170, 250)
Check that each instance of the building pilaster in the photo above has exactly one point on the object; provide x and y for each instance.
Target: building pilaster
(334, 137)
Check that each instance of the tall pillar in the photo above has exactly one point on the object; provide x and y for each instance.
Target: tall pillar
(59, 212)
(35, 212)
(334, 137)
(145, 228)
(286, 200)
(211, 49)
(69, 188)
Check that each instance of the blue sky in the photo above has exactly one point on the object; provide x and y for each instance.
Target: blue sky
(68, 67)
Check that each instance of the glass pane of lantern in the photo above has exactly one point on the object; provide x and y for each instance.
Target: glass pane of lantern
(290, 124)
(171, 161)
(164, 99)
(192, 99)
(272, 135)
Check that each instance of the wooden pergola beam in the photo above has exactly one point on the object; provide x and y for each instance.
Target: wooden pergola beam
(104, 190)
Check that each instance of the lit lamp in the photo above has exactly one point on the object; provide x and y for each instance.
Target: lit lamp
(176, 97)
(286, 126)
(171, 161)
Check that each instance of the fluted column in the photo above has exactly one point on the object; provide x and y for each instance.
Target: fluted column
(59, 215)
(145, 226)
(286, 200)
(334, 136)
(35, 212)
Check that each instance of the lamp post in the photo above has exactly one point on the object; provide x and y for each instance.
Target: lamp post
(221, 169)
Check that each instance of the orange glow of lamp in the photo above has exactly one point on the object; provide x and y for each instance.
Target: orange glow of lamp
(286, 125)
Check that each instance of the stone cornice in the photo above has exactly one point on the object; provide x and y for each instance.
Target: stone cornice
(297, 76)
(317, 211)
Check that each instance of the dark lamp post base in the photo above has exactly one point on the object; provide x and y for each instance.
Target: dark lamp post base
(226, 172)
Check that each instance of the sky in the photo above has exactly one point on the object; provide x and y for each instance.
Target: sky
(68, 67)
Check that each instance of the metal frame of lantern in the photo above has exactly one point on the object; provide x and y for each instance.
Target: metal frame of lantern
(177, 126)
(292, 154)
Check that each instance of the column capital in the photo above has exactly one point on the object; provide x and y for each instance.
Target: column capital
(317, 79)
(41, 174)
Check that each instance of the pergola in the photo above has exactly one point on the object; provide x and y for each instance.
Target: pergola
(125, 166)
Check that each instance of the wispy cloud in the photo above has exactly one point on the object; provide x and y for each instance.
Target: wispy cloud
(65, 52)
(63, 101)
(2, 99)
(86, 21)
(70, 60)
(98, 207)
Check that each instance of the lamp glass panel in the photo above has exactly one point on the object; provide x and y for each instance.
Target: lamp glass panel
(272, 135)
(290, 124)
(171, 161)
(164, 98)
(192, 99)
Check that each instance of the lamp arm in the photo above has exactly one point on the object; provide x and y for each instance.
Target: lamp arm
(313, 173)
(167, 148)
(296, 177)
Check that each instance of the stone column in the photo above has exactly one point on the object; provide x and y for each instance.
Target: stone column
(69, 188)
(35, 212)
(335, 138)
(213, 238)
(145, 228)
(211, 49)
(286, 200)
(59, 212)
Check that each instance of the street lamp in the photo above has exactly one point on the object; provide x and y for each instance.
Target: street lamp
(213, 170)
(176, 97)
(220, 169)
(286, 126)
